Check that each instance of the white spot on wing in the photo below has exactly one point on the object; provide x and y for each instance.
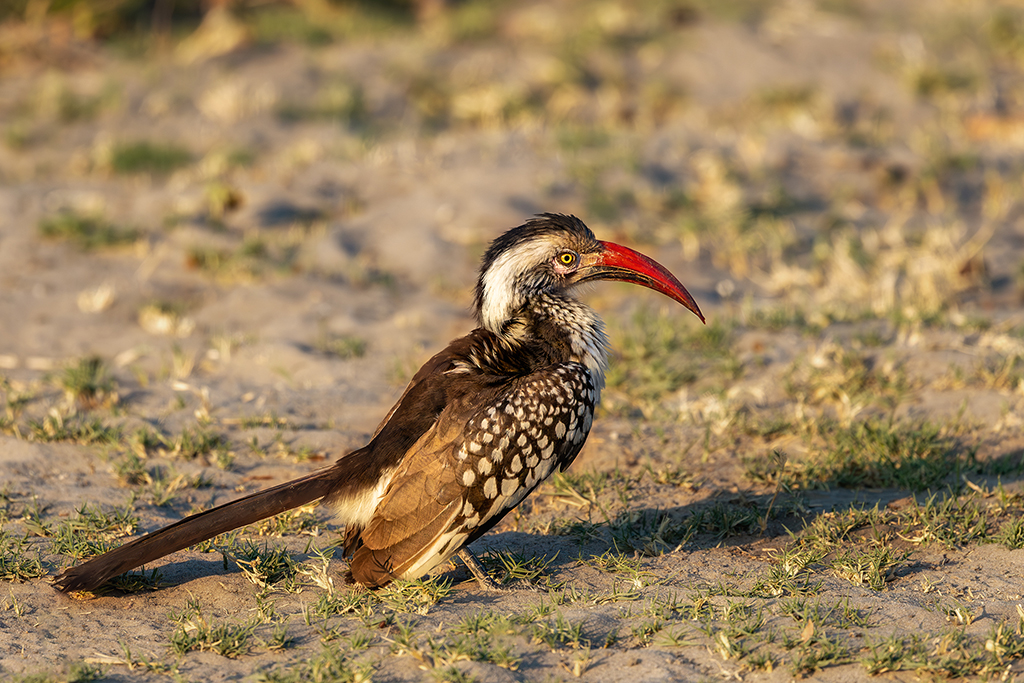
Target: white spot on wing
(508, 486)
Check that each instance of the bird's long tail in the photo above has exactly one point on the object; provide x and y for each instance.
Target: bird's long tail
(196, 529)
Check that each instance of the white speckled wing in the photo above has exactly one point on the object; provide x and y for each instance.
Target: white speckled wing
(445, 498)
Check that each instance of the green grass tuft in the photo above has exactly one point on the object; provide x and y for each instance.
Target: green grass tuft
(330, 665)
(148, 157)
(87, 382)
(880, 454)
(76, 429)
(87, 232)
(659, 354)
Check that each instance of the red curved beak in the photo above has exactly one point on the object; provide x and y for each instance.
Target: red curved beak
(621, 263)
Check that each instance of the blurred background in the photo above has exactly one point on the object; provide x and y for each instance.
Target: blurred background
(260, 198)
(853, 157)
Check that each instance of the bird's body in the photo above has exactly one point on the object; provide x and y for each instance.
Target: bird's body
(480, 425)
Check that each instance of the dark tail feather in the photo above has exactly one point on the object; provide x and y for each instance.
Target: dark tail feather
(196, 529)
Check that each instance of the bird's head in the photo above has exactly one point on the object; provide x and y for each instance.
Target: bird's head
(553, 253)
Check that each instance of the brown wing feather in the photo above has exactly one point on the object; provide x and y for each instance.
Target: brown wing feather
(422, 500)
(471, 469)
(423, 487)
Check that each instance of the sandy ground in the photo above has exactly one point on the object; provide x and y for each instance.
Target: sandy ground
(376, 239)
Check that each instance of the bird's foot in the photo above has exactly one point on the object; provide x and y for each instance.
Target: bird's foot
(485, 580)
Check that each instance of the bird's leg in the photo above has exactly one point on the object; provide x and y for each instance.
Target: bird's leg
(485, 580)
(479, 573)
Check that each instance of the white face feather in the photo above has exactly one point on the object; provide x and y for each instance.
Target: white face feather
(501, 297)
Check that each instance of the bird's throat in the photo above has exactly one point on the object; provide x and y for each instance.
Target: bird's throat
(565, 323)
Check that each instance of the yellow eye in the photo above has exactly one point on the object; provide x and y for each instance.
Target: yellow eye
(567, 258)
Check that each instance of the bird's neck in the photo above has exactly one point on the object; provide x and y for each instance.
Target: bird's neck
(565, 324)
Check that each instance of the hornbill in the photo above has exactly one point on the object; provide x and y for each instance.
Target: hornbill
(479, 427)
